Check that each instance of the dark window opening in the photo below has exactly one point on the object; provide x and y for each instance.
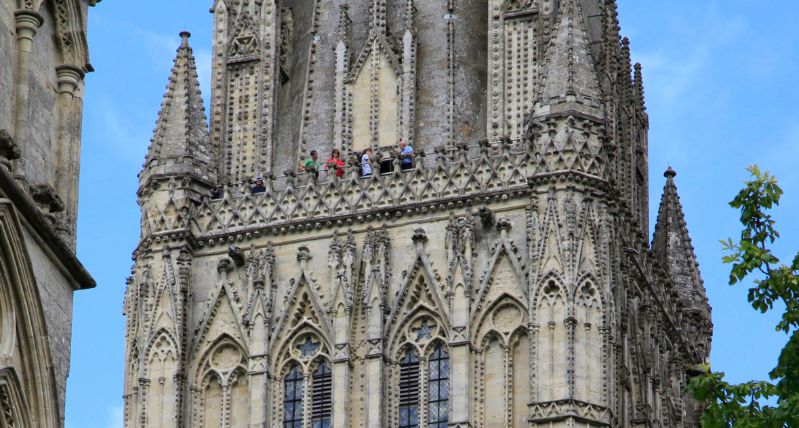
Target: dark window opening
(438, 388)
(409, 390)
(322, 409)
(292, 398)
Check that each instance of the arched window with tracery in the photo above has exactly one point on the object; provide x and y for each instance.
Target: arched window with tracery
(409, 390)
(552, 371)
(438, 388)
(293, 390)
(322, 397)
(588, 343)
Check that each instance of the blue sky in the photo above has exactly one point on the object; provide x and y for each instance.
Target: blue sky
(720, 84)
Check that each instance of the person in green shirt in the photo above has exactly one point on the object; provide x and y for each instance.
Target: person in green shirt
(311, 165)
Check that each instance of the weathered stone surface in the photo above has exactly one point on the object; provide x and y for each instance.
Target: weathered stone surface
(43, 44)
(515, 252)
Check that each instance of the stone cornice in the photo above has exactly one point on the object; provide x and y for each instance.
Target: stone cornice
(33, 218)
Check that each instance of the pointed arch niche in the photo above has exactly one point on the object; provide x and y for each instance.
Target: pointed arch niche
(551, 341)
(222, 392)
(27, 380)
(161, 368)
(588, 343)
(504, 363)
(375, 93)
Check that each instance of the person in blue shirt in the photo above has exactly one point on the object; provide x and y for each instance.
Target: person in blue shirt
(406, 155)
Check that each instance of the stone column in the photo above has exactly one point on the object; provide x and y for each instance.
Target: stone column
(27, 24)
(259, 387)
(341, 393)
(374, 386)
(67, 151)
(259, 363)
(460, 385)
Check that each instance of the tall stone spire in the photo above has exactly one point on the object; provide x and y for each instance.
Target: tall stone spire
(569, 74)
(672, 248)
(180, 143)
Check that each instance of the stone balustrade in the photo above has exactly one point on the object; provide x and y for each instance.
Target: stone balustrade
(447, 176)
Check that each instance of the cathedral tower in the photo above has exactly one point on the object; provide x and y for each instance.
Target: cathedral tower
(505, 278)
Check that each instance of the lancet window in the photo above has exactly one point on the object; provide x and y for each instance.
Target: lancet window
(307, 384)
(438, 388)
(409, 390)
(424, 383)
(321, 412)
(294, 389)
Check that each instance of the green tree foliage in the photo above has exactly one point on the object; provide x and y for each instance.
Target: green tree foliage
(775, 285)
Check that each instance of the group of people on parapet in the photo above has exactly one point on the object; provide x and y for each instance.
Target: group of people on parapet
(335, 165)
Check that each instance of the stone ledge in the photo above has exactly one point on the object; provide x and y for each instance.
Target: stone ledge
(33, 217)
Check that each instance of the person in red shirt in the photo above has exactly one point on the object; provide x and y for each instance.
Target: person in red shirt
(335, 163)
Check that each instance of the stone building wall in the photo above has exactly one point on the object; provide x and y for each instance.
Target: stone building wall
(505, 280)
(41, 84)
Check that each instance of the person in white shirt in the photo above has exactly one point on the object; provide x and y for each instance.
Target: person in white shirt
(366, 165)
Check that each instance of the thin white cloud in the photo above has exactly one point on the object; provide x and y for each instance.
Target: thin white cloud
(127, 140)
(116, 418)
(677, 72)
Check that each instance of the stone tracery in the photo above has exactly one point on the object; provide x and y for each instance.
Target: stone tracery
(509, 258)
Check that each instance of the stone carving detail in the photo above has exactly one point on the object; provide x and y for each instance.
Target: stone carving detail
(518, 254)
(477, 171)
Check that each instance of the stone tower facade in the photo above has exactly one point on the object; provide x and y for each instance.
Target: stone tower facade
(505, 279)
(44, 59)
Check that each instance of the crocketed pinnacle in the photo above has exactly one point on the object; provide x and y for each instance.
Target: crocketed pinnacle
(672, 246)
(180, 142)
(569, 73)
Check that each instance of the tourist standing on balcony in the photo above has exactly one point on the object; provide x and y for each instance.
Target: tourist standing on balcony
(366, 164)
(259, 186)
(335, 163)
(311, 165)
(406, 155)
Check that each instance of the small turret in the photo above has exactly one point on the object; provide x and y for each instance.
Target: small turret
(568, 124)
(570, 81)
(180, 143)
(672, 248)
(178, 167)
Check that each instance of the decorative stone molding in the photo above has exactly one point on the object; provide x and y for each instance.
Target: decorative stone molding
(45, 195)
(8, 147)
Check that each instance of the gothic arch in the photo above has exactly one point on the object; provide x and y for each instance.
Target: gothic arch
(222, 366)
(36, 380)
(69, 27)
(419, 290)
(539, 292)
(157, 339)
(161, 369)
(504, 316)
(503, 275)
(284, 352)
(12, 401)
(551, 339)
(303, 314)
(504, 378)
(306, 365)
(406, 329)
(589, 349)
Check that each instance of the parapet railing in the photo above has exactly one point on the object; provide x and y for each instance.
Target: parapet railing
(445, 176)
